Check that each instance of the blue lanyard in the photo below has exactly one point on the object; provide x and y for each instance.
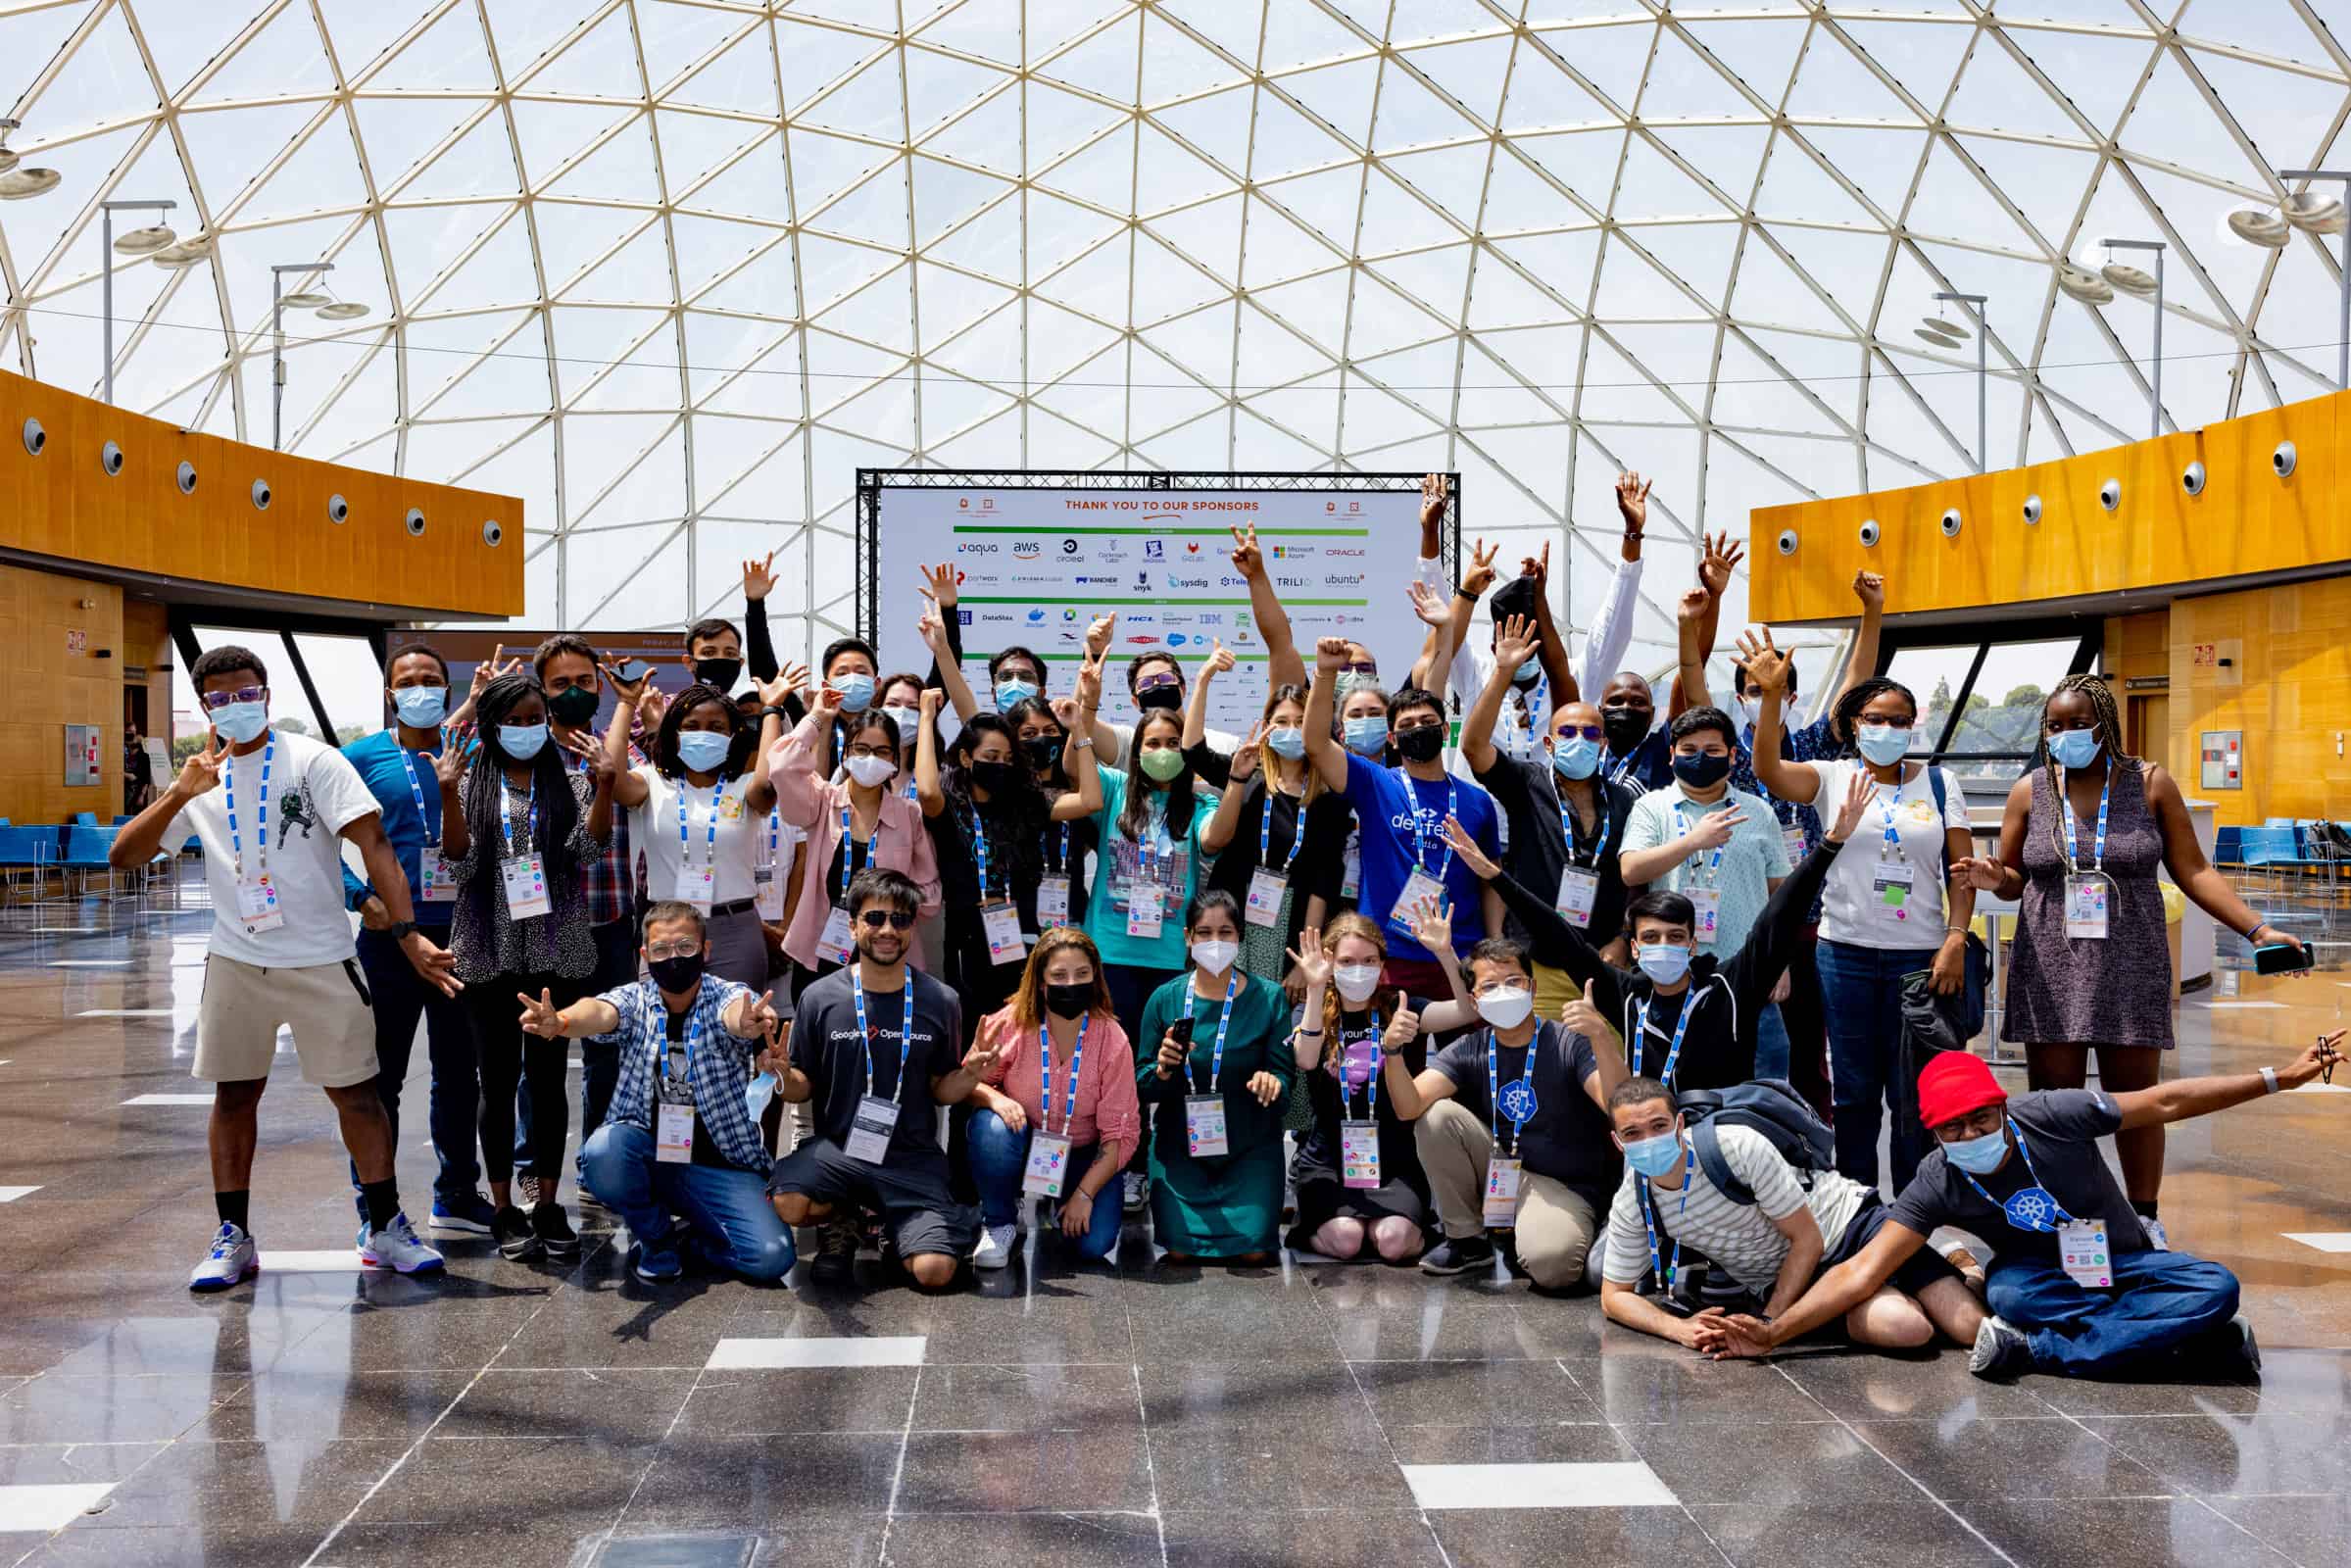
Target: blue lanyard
(1641, 1033)
(506, 812)
(1232, 985)
(416, 789)
(1493, 1086)
(979, 848)
(1665, 1274)
(1531, 700)
(848, 845)
(1062, 862)
(710, 844)
(905, 1033)
(1420, 834)
(1714, 867)
(1886, 810)
(668, 1049)
(2072, 846)
(2030, 1221)
(1623, 770)
(775, 835)
(1296, 829)
(1044, 1075)
(1567, 825)
(1371, 1087)
(261, 822)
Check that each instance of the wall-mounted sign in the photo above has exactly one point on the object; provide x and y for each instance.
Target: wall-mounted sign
(2147, 683)
(81, 755)
(2224, 757)
(77, 641)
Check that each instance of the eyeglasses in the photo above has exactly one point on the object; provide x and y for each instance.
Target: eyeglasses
(875, 919)
(243, 694)
(1163, 677)
(1359, 668)
(1589, 732)
(673, 949)
(882, 752)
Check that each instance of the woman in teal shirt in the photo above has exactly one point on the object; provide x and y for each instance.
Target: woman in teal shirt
(1213, 1065)
(1147, 863)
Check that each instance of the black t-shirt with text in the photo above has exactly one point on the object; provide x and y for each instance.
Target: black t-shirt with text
(1318, 1146)
(828, 1046)
(1567, 1139)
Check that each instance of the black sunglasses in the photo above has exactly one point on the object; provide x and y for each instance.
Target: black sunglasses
(875, 919)
(1590, 732)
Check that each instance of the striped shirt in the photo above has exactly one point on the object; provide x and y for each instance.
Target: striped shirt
(1741, 1239)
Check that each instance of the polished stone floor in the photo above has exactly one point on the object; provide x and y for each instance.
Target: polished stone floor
(518, 1416)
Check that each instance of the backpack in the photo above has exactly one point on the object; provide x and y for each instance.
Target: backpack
(1767, 1106)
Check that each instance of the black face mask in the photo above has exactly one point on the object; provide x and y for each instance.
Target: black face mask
(1624, 728)
(676, 975)
(573, 706)
(1421, 744)
(992, 776)
(1169, 698)
(1068, 1000)
(1042, 751)
(1703, 770)
(722, 673)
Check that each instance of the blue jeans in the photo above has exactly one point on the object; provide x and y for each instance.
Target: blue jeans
(731, 1221)
(599, 1059)
(1861, 998)
(2161, 1300)
(1772, 1047)
(401, 998)
(999, 1158)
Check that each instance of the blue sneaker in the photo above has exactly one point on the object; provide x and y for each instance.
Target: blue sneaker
(471, 1214)
(397, 1246)
(232, 1260)
(657, 1262)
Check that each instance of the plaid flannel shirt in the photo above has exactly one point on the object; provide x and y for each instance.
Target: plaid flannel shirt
(720, 1064)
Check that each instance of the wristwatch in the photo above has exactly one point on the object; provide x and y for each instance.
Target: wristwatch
(401, 930)
(776, 709)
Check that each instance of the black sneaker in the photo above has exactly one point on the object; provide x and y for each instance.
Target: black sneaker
(836, 1253)
(512, 1231)
(552, 1227)
(2001, 1352)
(1458, 1254)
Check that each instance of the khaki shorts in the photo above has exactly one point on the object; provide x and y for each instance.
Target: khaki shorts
(326, 1004)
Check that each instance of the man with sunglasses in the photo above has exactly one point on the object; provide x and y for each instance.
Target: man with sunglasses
(876, 1050)
(2077, 1287)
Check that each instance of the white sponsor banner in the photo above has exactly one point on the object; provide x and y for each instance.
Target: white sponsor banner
(1037, 566)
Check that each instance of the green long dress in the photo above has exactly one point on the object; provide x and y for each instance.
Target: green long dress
(1227, 1205)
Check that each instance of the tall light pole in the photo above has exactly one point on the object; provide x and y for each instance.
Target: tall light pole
(2130, 280)
(138, 242)
(1983, 372)
(279, 299)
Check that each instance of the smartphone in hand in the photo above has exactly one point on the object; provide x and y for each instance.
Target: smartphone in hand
(2280, 957)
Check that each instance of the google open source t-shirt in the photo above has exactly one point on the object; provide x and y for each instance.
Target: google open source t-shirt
(828, 1045)
(1389, 802)
(315, 793)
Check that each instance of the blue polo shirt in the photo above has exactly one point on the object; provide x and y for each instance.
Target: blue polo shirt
(1387, 802)
(380, 758)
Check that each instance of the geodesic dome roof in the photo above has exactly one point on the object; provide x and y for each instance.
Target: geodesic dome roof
(671, 269)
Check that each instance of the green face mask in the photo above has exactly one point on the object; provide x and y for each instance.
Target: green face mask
(1164, 765)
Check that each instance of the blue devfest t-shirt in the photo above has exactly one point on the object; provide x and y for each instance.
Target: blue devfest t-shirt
(1387, 804)
(383, 765)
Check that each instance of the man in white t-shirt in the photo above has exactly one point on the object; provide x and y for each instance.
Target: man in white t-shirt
(1775, 1239)
(272, 810)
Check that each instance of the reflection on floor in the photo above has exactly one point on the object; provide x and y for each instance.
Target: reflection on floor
(522, 1415)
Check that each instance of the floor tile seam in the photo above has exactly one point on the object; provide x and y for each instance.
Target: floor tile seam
(653, 1457)
(898, 1472)
(422, 1438)
(1964, 1523)
(1151, 1462)
(2239, 1525)
(1372, 1409)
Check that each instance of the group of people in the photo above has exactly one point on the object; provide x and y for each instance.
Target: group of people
(1601, 985)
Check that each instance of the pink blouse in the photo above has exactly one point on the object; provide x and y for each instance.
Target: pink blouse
(1107, 1105)
(901, 841)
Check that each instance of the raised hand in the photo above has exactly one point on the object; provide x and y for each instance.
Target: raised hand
(759, 1016)
(1691, 605)
(1432, 606)
(825, 702)
(1433, 492)
(1219, 659)
(790, 679)
(1870, 589)
(202, 771)
(933, 632)
(933, 697)
(1401, 1031)
(2319, 1060)
(654, 706)
(1538, 566)
(1860, 790)
(1247, 559)
(1065, 712)
(1765, 664)
(628, 691)
(1312, 958)
(1089, 686)
(1983, 872)
(1714, 828)
(1480, 576)
(1582, 1017)
(1467, 848)
(1099, 633)
(1265, 1086)
(1721, 555)
(1514, 644)
(980, 1059)
(775, 1056)
(542, 1017)
(759, 578)
(1330, 653)
(1430, 924)
(448, 765)
(939, 584)
(1246, 754)
(1632, 501)
(496, 665)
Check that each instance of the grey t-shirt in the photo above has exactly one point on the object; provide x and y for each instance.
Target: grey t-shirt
(2061, 1129)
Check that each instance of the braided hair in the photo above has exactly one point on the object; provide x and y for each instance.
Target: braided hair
(486, 794)
(2109, 730)
(743, 736)
(1845, 718)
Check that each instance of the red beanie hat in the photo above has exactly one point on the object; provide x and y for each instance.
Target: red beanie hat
(1955, 1083)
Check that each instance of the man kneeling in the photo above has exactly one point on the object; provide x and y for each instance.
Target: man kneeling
(1775, 1241)
(873, 1051)
(678, 1136)
(2076, 1286)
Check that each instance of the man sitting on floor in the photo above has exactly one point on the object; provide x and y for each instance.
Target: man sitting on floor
(2075, 1285)
(1775, 1241)
(874, 1053)
(678, 1137)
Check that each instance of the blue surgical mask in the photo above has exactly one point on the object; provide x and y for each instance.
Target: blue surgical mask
(1367, 734)
(857, 691)
(1576, 758)
(1883, 744)
(1654, 1157)
(1662, 961)
(1529, 672)
(521, 742)
(1010, 693)
(1979, 1157)
(239, 722)
(1288, 740)
(420, 707)
(704, 751)
(2075, 748)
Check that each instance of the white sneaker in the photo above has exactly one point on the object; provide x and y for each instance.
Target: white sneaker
(2000, 1351)
(996, 1247)
(231, 1262)
(397, 1246)
(1137, 1192)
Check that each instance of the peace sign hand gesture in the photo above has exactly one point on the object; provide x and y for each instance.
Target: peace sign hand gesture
(1247, 559)
(1467, 848)
(495, 666)
(1481, 573)
(202, 771)
(1246, 755)
(542, 1017)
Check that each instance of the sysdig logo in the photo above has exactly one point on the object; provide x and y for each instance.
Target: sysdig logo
(1174, 582)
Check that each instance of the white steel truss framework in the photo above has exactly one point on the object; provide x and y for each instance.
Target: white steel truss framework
(674, 269)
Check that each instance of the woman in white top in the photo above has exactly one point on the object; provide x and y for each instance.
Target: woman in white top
(1892, 904)
(699, 810)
